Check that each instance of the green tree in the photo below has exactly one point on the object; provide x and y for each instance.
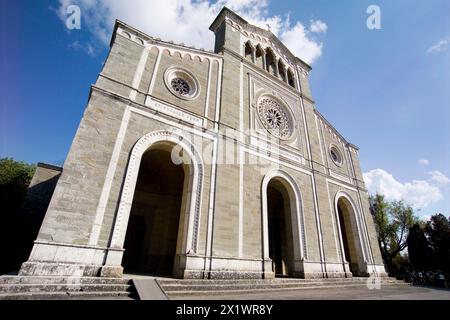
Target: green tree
(420, 251)
(438, 231)
(15, 177)
(392, 221)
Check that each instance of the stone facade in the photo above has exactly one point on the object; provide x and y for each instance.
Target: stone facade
(244, 124)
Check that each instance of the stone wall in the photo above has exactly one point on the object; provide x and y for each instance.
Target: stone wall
(40, 191)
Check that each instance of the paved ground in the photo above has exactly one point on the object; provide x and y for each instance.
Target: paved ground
(388, 293)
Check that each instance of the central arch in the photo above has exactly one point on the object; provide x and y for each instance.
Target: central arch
(284, 248)
(146, 150)
(153, 227)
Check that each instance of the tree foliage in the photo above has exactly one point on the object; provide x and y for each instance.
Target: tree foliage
(438, 232)
(419, 249)
(429, 251)
(15, 177)
(15, 229)
(393, 221)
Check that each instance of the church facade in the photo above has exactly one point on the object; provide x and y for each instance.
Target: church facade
(199, 164)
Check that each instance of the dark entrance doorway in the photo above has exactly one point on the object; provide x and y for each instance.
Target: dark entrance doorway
(153, 227)
(280, 229)
(349, 234)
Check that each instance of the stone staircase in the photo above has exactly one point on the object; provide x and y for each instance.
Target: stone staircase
(189, 288)
(50, 288)
(21, 288)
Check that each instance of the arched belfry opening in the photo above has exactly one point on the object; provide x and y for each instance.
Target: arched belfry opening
(259, 57)
(282, 71)
(290, 77)
(155, 229)
(271, 65)
(351, 245)
(281, 239)
(248, 50)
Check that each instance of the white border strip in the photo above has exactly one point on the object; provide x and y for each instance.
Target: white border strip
(106, 190)
(241, 165)
(139, 72)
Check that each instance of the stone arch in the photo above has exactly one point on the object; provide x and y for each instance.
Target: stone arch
(249, 51)
(290, 78)
(193, 205)
(141, 41)
(297, 217)
(126, 34)
(188, 56)
(282, 70)
(347, 213)
(259, 56)
(177, 54)
(271, 62)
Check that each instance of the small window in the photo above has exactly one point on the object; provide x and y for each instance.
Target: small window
(182, 83)
(335, 155)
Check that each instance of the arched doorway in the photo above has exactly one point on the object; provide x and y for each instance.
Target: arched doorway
(280, 229)
(155, 225)
(349, 235)
(284, 249)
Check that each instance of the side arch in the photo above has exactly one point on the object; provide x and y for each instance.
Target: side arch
(360, 245)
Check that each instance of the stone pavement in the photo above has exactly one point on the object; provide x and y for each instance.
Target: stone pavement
(388, 293)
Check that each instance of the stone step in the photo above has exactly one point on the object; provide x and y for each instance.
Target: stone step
(240, 291)
(22, 287)
(37, 288)
(60, 280)
(19, 287)
(164, 282)
(69, 295)
(174, 287)
(249, 286)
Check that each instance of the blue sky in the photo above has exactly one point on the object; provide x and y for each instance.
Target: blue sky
(387, 91)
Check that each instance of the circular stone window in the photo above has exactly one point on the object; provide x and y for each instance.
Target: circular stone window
(181, 83)
(275, 117)
(335, 155)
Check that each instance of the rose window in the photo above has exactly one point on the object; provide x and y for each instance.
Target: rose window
(180, 86)
(182, 83)
(275, 118)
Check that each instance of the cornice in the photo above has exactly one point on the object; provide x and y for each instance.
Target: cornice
(145, 40)
(328, 124)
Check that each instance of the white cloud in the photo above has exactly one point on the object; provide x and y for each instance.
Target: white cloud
(418, 193)
(87, 48)
(318, 26)
(296, 39)
(442, 45)
(187, 21)
(424, 162)
(439, 178)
